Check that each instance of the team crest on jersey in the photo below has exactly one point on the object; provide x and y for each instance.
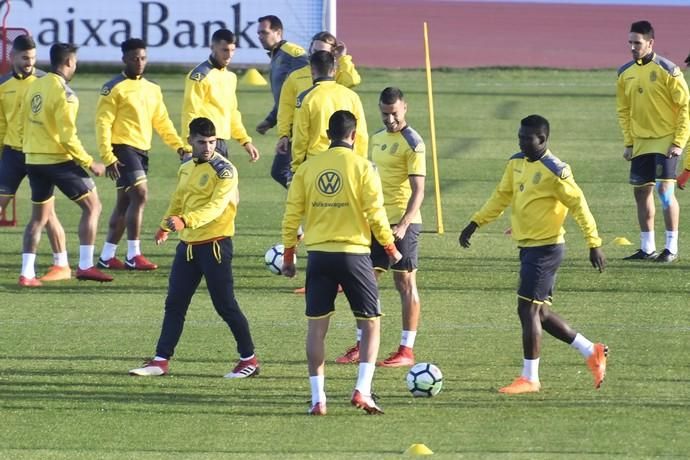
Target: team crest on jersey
(394, 148)
(384, 147)
(640, 90)
(204, 180)
(652, 76)
(522, 187)
(329, 182)
(36, 103)
(536, 178)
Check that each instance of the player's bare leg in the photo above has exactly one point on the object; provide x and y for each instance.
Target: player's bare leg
(316, 357)
(671, 210)
(646, 211)
(406, 285)
(528, 382)
(369, 349)
(40, 212)
(60, 270)
(138, 196)
(116, 228)
(91, 208)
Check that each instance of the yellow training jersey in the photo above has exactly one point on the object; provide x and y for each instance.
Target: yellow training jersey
(127, 112)
(652, 101)
(314, 107)
(398, 156)
(300, 80)
(338, 195)
(206, 198)
(12, 90)
(210, 91)
(50, 123)
(540, 193)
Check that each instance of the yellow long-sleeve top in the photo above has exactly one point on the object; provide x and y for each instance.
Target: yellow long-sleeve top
(339, 196)
(398, 156)
(128, 110)
(300, 80)
(540, 193)
(314, 107)
(652, 101)
(206, 198)
(50, 123)
(12, 90)
(210, 92)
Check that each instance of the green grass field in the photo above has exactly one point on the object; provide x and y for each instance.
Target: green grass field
(65, 348)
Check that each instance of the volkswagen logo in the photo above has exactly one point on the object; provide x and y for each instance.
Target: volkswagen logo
(329, 182)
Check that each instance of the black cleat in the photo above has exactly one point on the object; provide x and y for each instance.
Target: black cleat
(641, 255)
(666, 256)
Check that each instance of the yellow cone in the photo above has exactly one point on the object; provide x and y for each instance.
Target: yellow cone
(621, 241)
(418, 450)
(252, 77)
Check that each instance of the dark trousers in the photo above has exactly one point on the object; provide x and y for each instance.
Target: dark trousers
(213, 261)
(280, 169)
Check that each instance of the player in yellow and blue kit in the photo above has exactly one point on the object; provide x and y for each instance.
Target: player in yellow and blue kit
(202, 209)
(338, 195)
(210, 92)
(540, 191)
(129, 108)
(652, 102)
(13, 86)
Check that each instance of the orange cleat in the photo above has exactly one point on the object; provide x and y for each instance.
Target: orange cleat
(29, 282)
(93, 274)
(366, 403)
(403, 357)
(318, 409)
(57, 273)
(113, 263)
(597, 363)
(351, 356)
(140, 263)
(520, 385)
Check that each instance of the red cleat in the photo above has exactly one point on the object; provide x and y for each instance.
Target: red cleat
(351, 356)
(151, 368)
(93, 274)
(318, 409)
(366, 403)
(404, 357)
(113, 263)
(140, 263)
(244, 369)
(29, 282)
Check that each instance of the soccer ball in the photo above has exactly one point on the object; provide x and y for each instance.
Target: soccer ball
(274, 259)
(424, 379)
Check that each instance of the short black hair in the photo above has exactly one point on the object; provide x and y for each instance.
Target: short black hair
(322, 61)
(341, 124)
(202, 126)
(642, 27)
(276, 23)
(538, 123)
(59, 53)
(132, 44)
(391, 95)
(23, 43)
(223, 35)
(687, 60)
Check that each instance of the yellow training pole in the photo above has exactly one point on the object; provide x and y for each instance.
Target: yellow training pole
(432, 127)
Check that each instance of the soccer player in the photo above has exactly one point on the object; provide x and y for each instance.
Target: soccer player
(400, 158)
(210, 92)
(315, 107)
(129, 107)
(338, 195)
(13, 86)
(684, 176)
(55, 157)
(299, 81)
(540, 190)
(202, 210)
(285, 58)
(652, 102)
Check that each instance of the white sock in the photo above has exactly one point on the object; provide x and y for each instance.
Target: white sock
(364, 378)
(60, 259)
(85, 256)
(672, 241)
(647, 243)
(318, 393)
(359, 335)
(584, 346)
(530, 369)
(407, 338)
(248, 358)
(28, 268)
(133, 248)
(108, 251)
(158, 358)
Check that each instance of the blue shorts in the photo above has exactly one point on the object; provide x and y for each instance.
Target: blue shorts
(12, 170)
(135, 166)
(538, 267)
(327, 270)
(69, 177)
(408, 247)
(647, 169)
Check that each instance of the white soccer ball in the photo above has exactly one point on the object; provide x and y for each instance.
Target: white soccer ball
(274, 259)
(424, 379)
